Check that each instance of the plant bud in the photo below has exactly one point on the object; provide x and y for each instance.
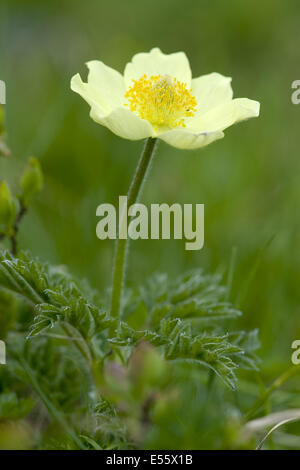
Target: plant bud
(7, 206)
(31, 182)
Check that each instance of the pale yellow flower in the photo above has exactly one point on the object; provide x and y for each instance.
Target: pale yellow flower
(157, 97)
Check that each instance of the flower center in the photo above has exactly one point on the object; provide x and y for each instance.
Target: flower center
(161, 100)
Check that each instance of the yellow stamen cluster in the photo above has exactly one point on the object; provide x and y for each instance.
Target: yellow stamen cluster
(161, 100)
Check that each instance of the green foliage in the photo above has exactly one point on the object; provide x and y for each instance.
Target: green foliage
(12, 408)
(31, 182)
(184, 319)
(250, 192)
(58, 299)
(8, 309)
(12, 210)
(126, 369)
(7, 208)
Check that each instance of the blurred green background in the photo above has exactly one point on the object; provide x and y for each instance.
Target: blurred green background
(249, 181)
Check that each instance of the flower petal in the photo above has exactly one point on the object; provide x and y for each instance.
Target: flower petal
(155, 63)
(123, 123)
(224, 115)
(211, 90)
(187, 139)
(104, 89)
(86, 92)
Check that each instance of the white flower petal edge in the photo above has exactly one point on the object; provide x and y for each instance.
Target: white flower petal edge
(156, 62)
(104, 92)
(209, 127)
(210, 90)
(224, 115)
(187, 139)
(105, 87)
(124, 123)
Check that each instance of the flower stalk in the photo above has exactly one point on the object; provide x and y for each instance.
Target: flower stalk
(121, 243)
(13, 237)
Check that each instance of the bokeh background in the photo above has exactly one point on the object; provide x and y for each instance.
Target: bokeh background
(249, 181)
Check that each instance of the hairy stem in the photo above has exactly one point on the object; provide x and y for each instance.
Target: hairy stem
(121, 244)
(13, 238)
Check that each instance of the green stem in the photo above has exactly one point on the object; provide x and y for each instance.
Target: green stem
(275, 385)
(121, 244)
(57, 415)
(13, 238)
